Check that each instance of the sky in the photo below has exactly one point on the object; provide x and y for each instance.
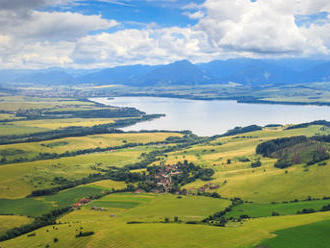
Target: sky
(106, 33)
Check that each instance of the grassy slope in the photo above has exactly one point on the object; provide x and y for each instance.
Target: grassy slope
(264, 184)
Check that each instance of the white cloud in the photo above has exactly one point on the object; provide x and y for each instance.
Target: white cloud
(195, 15)
(150, 46)
(264, 27)
(225, 28)
(51, 25)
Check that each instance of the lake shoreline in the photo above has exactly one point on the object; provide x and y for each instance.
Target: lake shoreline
(208, 118)
(243, 99)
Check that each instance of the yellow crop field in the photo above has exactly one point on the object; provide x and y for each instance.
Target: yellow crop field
(10, 221)
(109, 184)
(62, 123)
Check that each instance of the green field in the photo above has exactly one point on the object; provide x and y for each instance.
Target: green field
(157, 207)
(262, 210)
(312, 235)
(25, 206)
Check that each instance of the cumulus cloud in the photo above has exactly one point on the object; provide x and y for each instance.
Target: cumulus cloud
(31, 38)
(52, 25)
(225, 28)
(20, 4)
(256, 27)
(150, 46)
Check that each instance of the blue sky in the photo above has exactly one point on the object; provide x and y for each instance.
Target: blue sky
(137, 14)
(107, 33)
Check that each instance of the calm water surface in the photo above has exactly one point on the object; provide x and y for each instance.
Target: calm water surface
(214, 117)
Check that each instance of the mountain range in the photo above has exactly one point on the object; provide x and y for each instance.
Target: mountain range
(243, 70)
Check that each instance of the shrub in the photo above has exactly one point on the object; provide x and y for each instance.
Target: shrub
(256, 164)
(192, 222)
(84, 234)
(306, 211)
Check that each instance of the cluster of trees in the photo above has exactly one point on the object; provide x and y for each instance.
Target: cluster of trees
(219, 219)
(188, 173)
(268, 148)
(33, 114)
(209, 194)
(303, 125)
(289, 150)
(256, 163)
(319, 155)
(239, 130)
(322, 138)
(44, 220)
(84, 234)
(283, 162)
(191, 172)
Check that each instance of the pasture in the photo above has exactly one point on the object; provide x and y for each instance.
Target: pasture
(306, 236)
(263, 210)
(25, 206)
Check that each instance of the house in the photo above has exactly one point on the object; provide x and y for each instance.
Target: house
(76, 205)
(84, 201)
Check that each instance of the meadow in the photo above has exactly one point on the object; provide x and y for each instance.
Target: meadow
(256, 210)
(301, 236)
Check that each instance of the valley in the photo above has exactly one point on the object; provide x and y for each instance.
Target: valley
(71, 177)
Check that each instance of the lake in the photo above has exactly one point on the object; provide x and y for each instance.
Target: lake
(207, 118)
